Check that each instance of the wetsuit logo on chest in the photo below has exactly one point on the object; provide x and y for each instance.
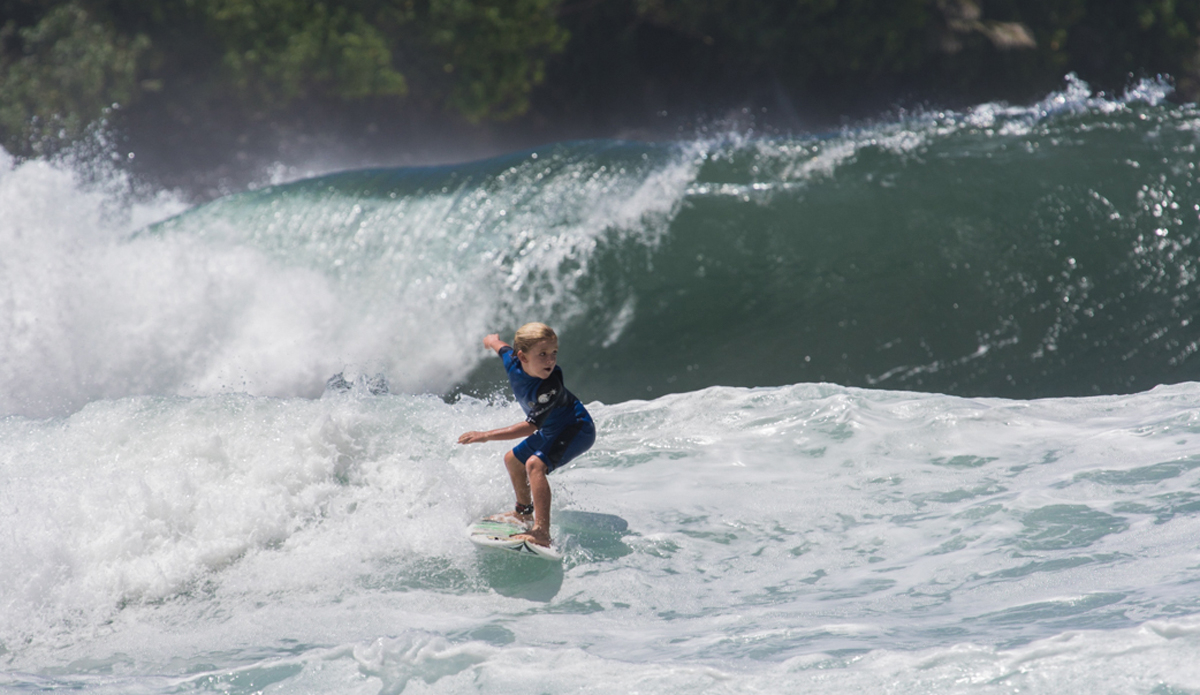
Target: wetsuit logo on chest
(548, 396)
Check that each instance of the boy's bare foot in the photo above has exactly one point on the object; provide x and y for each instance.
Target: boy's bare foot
(525, 520)
(535, 536)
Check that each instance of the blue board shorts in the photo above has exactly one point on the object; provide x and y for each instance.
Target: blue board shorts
(573, 440)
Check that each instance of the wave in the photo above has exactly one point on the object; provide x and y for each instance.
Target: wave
(1006, 251)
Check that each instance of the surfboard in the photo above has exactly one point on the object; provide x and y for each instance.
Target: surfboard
(490, 533)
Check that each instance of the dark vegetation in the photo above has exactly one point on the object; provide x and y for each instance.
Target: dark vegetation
(216, 85)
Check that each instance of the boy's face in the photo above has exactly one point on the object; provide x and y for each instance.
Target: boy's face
(540, 359)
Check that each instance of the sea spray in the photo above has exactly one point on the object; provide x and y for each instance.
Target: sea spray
(275, 290)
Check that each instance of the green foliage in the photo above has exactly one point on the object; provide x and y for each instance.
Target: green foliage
(804, 39)
(277, 51)
(63, 62)
(479, 58)
(980, 48)
(61, 73)
(495, 50)
(1107, 41)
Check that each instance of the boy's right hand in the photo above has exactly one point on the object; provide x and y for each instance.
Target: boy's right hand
(472, 437)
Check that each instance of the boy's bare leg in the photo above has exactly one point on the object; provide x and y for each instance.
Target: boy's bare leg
(520, 483)
(539, 487)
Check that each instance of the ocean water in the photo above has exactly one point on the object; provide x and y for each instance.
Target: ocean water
(908, 408)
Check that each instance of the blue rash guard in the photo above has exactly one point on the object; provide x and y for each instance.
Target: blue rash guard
(565, 429)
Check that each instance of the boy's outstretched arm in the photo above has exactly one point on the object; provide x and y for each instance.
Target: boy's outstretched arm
(493, 342)
(517, 431)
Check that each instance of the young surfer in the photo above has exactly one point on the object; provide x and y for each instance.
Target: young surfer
(557, 428)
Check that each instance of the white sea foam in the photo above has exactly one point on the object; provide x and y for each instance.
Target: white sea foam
(809, 537)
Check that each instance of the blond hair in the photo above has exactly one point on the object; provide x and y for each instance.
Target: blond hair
(531, 334)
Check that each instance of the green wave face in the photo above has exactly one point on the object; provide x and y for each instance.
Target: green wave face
(1018, 252)
(1010, 254)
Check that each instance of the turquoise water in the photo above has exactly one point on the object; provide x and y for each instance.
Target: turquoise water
(909, 409)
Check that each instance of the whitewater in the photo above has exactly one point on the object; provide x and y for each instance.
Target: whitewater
(907, 408)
